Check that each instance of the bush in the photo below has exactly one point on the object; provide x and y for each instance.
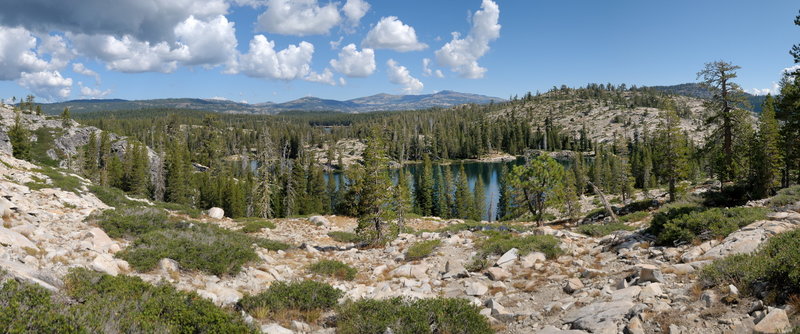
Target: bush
(634, 217)
(125, 304)
(684, 224)
(132, 223)
(112, 196)
(435, 315)
(332, 268)
(107, 304)
(599, 229)
(421, 249)
(772, 270)
(253, 225)
(346, 237)
(302, 296)
(498, 243)
(785, 196)
(202, 247)
(29, 308)
(180, 208)
(66, 182)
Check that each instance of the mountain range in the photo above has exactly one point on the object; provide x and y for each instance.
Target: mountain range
(378, 102)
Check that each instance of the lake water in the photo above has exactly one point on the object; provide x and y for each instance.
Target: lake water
(488, 171)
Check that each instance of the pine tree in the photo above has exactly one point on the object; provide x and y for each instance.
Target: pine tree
(104, 157)
(317, 194)
(572, 205)
(539, 184)
(90, 156)
(503, 202)
(263, 192)
(671, 152)
(375, 185)
(726, 97)
(424, 187)
(20, 139)
(177, 173)
(66, 120)
(789, 113)
(448, 200)
(463, 196)
(402, 199)
(766, 152)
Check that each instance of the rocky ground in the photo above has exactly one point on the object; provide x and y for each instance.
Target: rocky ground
(617, 283)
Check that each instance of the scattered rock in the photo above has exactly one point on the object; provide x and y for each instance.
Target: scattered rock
(572, 285)
(599, 317)
(216, 213)
(12, 238)
(528, 261)
(275, 329)
(498, 274)
(5, 208)
(476, 289)
(650, 273)
(320, 220)
(634, 326)
(105, 263)
(776, 321)
(508, 258)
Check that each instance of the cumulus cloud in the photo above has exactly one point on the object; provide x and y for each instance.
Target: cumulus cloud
(56, 47)
(354, 10)
(326, 77)
(208, 42)
(354, 63)
(399, 75)
(49, 85)
(391, 33)
(462, 55)
(129, 55)
(427, 71)
(82, 70)
(147, 20)
(791, 69)
(298, 17)
(17, 53)
(263, 61)
(774, 90)
(92, 93)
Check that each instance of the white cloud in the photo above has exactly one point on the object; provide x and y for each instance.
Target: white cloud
(427, 71)
(49, 85)
(791, 69)
(399, 75)
(354, 10)
(17, 53)
(209, 43)
(462, 55)
(326, 77)
(56, 48)
(391, 33)
(130, 55)
(92, 93)
(342, 81)
(298, 17)
(81, 69)
(146, 20)
(774, 90)
(262, 61)
(353, 63)
(335, 44)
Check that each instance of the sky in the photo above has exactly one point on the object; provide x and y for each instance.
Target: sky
(279, 50)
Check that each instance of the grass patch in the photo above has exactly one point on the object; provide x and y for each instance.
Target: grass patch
(58, 179)
(253, 225)
(181, 209)
(345, 237)
(785, 196)
(132, 223)
(421, 249)
(112, 196)
(634, 216)
(772, 272)
(431, 315)
(307, 298)
(687, 223)
(45, 140)
(107, 304)
(599, 230)
(499, 243)
(333, 268)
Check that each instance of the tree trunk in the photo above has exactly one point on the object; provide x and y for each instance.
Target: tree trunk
(605, 203)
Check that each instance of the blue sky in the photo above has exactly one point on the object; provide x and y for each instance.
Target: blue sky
(141, 49)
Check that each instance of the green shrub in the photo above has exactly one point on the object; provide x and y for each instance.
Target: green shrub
(126, 304)
(202, 247)
(131, 223)
(471, 225)
(634, 217)
(477, 263)
(498, 243)
(685, 224)
(600, 229)
(786, 196)
(272, 245)
(332, 268)
(346, 237)
(112, 196)
(180, 208)
(421, 249)
(435, 315)
(29, 308)
(45, 140)
(253, 225)
(296, 296)
(776, 265)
